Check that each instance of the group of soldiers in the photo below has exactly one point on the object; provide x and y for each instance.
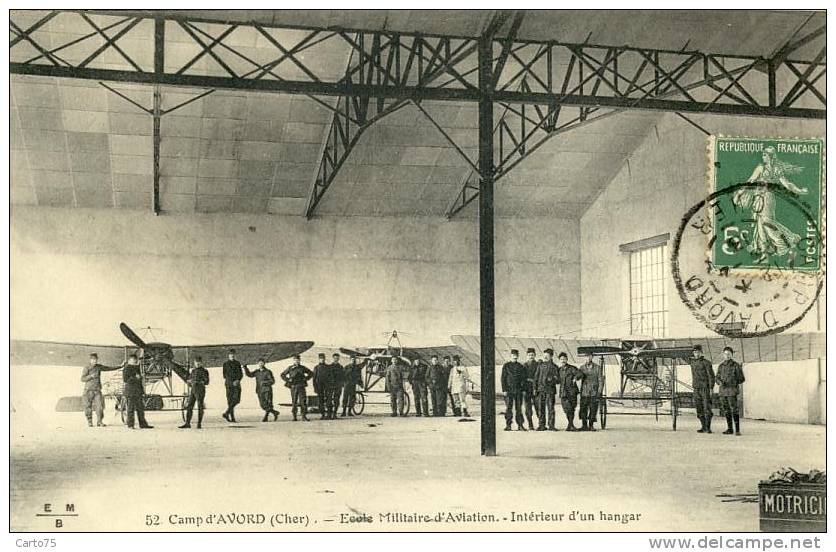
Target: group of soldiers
(436, 384)
(534, 387)
(729, 378)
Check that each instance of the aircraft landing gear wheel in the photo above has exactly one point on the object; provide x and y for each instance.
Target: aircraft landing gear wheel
(602, 413)
(359, 403)
(406, 403)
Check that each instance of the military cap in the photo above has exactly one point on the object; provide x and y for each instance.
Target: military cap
(232, 351)
(434, 356)
(514, 352)
(296, 356)
(198, 358)
(530, 350)
(445, 357)
(94, 355)
(549, 351)
(698, 348)
(456, 357)
(563, 355)
(321, 355)
(336, 355)
(262, 359)
(729, 349)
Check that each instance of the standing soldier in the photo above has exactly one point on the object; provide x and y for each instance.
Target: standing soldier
(446, 396)
(459, 378)
(336, 379)
(591, 388)
(545, 389)
(568, 389)
(264, 381)
(133, 394)
(352, 378)
(730, 376)
(528, 391)
(320, 384)
(418, 380)
(91, 397)
(233, 374)
(702, 380)
(394, 382)
(513, 383)
(296, 378)
(435, 379)
(197, 382)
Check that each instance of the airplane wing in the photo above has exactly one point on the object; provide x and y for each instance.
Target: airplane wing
(771, 348)
(246, 353)
(424, 353)
(51, 353)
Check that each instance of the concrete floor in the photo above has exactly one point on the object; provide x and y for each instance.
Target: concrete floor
(375, 464)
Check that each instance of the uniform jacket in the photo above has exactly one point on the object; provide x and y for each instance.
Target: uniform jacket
(352, 375)
(702, 373)
(394, 377)
(296, 375)
(336, 374)
(592, 384)
(92, 376)
(418, 374)
(459, 377)
(321, 377)
(435, 375)
(546, 377)
(530, 374)
(198, 378)
(263, 378)
(513, 377)
(232, 371)
(568, 375)
(132, 376)
(730, 376)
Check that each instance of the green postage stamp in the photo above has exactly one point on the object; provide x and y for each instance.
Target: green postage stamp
(767, 206)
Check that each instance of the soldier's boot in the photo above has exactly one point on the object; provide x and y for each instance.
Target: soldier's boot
(737, 424)
(294, 415)
(702, 424)
(264, 419)
(343, 413)
(225, 415)
(200, 419)
(304, 418)
(89, 422)
(466, 413)
(708, 424)
(350, 411)
(232, 416)
(99, 417)
(530, 423)
(584, 426)
(728, 431)
(275, 414)
(188, 422)
(592, 426)
(507, 426)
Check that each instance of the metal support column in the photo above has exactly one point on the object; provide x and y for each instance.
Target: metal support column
(159, 69)
(486, 247)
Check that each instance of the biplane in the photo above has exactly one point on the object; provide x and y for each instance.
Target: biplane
(375, 360)
(159, 364)
(648, 382)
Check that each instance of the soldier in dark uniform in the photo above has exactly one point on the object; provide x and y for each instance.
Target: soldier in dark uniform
(702, 380)
(336, 379)
(447, 396)
(264, 381)
(352, 378)
(418, 380)
(568, 389)
(233, 374)
(91, 397)
(394, 383)
(296, 378)
(545, 388)
(592, 386)
(513, 383)
(133, 394)
(435, 380)
(320, 384)
(730, 377)
(528, 391)
(197, 382)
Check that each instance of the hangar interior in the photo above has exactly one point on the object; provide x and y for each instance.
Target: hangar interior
(250, 212)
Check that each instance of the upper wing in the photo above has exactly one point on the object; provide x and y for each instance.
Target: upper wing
(424, 353)
(771, 348)
(50, 353)
(246, 353)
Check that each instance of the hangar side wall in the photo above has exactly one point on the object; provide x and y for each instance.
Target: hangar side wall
(665, 176)
(235, 278)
